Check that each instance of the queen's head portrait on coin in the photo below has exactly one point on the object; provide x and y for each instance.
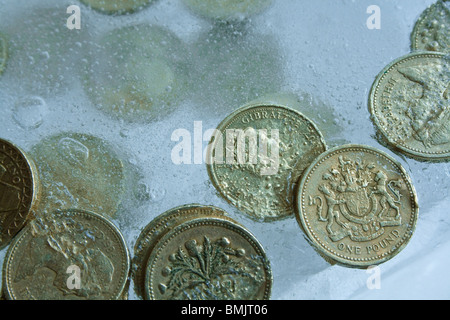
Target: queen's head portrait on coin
(357, 206)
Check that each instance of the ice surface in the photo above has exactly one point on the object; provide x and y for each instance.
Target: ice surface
(319, 51)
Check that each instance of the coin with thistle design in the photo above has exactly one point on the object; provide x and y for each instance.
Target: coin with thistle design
(357, 205)
(432, 30)
(257, 155)
(157, 228)
(208, 259)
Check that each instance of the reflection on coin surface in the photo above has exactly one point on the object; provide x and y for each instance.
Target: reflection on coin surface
(157, 228)
(117, 6)
(79, 171)
(49, 257)
(208, 259)
(432, 30)
(410, 105)
(3, 53)
(18, 191)
(257, 155)
(227, 9)
(357, 206)
(136, 73)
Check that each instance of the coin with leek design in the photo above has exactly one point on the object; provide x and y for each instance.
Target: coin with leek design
(117, 6)
(410, 105)
(256, 156)
(157, 228)
(357, 206)
(208, 259)
(432, 30)
(19, 190)
(68, 255)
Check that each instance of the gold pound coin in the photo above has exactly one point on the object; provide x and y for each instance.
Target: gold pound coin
(157, 228)
(79, 171)
(117, 6)
(432, 30)
(357, 206)
(70, 254)
(3, 53)
(227, 10)
(257, 155)
(208, 259)
(19, 190)
(410, 105)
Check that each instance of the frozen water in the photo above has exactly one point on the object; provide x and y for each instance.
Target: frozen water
(320, 52)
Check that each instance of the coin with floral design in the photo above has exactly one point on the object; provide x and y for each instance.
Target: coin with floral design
(208, 259)
(157, 228)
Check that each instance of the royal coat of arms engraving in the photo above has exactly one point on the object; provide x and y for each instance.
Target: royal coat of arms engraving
(357, 200)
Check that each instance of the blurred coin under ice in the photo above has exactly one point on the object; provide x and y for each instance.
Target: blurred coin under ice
(136, 73)
(227, 10)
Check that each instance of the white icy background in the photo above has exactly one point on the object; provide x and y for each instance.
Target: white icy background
(329, 57)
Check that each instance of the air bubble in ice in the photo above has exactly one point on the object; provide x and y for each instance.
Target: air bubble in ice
(29, 112)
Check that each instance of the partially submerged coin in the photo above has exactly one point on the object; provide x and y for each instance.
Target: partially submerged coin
(3, 53)
(136, 73)
(117, 6)
(70, 254)
(410, 105)
(257, 155)
(357, 206)
(208, 259)
(19, 190)
(227, 9)
(157, 228)
(432, 30)
(79, 171)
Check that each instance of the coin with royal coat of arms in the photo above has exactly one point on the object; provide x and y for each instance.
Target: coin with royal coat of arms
(357, 206)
